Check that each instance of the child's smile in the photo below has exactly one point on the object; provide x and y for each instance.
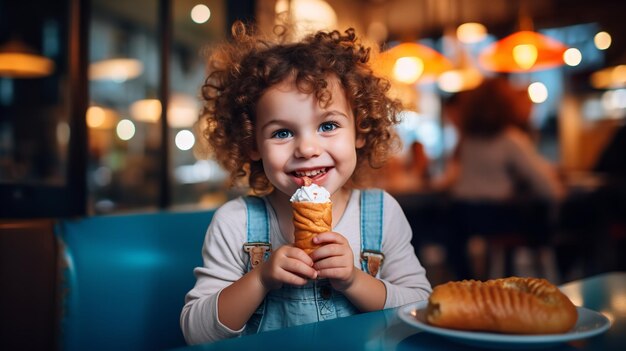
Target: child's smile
(317, 175)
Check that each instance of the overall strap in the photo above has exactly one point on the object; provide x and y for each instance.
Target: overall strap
(258, 244)
(371, 231)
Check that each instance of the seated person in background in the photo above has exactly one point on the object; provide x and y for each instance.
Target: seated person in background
(494, 166)
(495, 155)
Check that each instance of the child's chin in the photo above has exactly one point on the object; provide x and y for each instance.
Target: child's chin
(286, 191)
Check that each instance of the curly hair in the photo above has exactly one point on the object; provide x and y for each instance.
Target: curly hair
(241, 70)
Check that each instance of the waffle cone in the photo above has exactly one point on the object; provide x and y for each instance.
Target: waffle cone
(310, 219)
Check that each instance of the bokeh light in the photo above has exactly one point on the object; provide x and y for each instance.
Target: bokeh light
(572, 57)
(184, 140)
(125, 129)
(602, 40)
(537, 92)
(200, 13)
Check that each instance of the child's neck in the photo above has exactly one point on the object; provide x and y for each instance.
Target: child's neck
(284, 213)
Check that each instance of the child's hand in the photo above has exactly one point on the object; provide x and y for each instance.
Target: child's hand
(287, 265)
(334, 260)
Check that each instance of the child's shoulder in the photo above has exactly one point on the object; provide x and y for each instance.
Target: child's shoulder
(234, 208)
(231, 217)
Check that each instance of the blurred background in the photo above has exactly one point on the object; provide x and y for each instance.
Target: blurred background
(99, 114)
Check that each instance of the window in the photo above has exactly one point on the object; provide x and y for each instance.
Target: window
(87, 137)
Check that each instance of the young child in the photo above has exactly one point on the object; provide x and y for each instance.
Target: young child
(279, 113)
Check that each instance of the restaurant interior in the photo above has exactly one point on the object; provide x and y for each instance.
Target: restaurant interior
(100, 118)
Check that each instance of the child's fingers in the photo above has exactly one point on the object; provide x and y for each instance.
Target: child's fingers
(299, 254)
(299, 268)
(329, 237)
(329, 250)
(332, 273)
(331, 263)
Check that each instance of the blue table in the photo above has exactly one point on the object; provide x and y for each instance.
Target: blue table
(383, 330)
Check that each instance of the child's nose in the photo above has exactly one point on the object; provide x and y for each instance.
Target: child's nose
(308, 146)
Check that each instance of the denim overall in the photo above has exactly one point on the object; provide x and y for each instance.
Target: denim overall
(317, 300)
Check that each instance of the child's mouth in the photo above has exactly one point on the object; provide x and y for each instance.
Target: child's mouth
(311, 173)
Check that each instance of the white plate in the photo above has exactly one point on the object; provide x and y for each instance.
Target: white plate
(589, 323)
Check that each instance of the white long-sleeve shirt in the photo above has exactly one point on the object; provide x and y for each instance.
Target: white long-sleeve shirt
(225, 262)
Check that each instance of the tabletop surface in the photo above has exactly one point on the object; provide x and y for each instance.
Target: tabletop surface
(384, 330)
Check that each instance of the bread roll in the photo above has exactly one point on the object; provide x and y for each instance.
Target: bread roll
(509, 305)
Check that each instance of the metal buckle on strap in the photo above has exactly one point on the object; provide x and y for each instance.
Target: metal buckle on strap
(373, 259)
(257, 252)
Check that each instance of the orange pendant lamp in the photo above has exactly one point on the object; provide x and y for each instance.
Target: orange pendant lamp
(524, 51)
(410, 63)
(17, 60)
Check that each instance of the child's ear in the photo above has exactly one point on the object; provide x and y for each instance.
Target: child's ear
(360, 141)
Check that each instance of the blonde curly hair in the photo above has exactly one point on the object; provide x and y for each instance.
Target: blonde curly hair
(241, 70)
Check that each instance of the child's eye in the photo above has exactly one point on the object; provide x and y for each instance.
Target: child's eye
(282, 134)
(328, 126)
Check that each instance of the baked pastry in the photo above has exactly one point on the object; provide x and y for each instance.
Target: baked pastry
(508, 305)
(312, 214)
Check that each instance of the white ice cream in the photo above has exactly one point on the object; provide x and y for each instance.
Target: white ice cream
(311, 193)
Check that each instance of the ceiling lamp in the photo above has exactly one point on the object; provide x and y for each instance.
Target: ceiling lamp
(409, 63)
(523, 51)
(609, 78)
(182, 111)
(307, 16)
(471, 32)
(101, 117)
(17, 60)
(146, 110)
(118, 70)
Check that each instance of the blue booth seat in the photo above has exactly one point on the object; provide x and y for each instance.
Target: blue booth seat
(123, 279)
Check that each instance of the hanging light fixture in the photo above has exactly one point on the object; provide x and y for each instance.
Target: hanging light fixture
(523, 51)
(182, 110)
(115, 69)
(17, 60)
(471, 32)
(411, 62)
(307, 16)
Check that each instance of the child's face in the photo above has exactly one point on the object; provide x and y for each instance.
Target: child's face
(296, 137)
